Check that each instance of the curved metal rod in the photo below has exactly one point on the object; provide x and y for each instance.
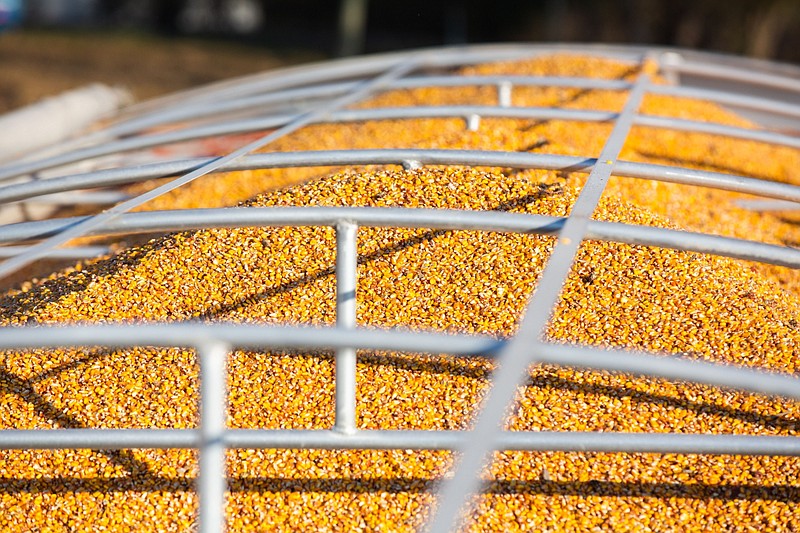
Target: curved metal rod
(681, 61)
(755, 103)
(191, 334)
(183, 220)
(563, 441)
(74, 252)
(326, 158)
(712, 128)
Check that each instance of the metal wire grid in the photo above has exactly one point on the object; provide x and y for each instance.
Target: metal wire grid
(295, 98)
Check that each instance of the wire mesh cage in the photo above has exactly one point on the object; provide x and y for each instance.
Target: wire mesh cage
(308, 287)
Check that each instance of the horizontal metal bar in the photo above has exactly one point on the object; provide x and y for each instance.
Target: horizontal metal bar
(189, 334)
(670, 367)
(329, 71)
(696, 242)
(233, 217)
(444, 219)
(75, 252)
(81, 198)
(98, 439)
(768, 205)
(678, 62)
(754, 103)
(326, 158)
(311, 338)
(532, 441)
(713, 128)
(565, 441)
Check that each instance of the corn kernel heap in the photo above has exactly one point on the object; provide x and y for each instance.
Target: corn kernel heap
(477, 282)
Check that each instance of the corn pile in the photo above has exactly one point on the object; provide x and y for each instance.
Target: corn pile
(701, 306)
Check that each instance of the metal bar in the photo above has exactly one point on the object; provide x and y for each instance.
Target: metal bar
(326, 158)
(712, 128)
(98, 439)
(768, 205)
(678, 63)
(346, 282)
(695, 242)
(756, 380)
(82, 198)
(667, 367)
(187, 334)
(505, 93)
(753, 103)
(212, 481)
(39, 250)
(516, 357)
(184, 220)
(76, 252)
(564, 441)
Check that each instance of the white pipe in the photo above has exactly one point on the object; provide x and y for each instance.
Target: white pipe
(57, 118)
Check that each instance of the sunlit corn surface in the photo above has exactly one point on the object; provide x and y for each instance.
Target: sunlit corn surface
(648, 298)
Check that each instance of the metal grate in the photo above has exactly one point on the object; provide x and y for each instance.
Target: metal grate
(291, 99)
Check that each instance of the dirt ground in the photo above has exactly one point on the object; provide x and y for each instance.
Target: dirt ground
(37, 63)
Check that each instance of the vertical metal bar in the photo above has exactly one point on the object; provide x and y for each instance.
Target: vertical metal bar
(669, 63)
(346, 274)
(212, 480)
(504, 89)
(514, 360)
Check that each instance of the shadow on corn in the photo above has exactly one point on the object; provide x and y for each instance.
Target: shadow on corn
(547, 380)
(9, 383)
(52, 290)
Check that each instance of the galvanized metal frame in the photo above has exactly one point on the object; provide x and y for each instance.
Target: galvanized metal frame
(296, 97)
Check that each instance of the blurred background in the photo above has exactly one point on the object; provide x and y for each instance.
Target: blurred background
(157, 46)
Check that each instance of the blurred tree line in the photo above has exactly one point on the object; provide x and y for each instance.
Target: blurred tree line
(760, 28)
